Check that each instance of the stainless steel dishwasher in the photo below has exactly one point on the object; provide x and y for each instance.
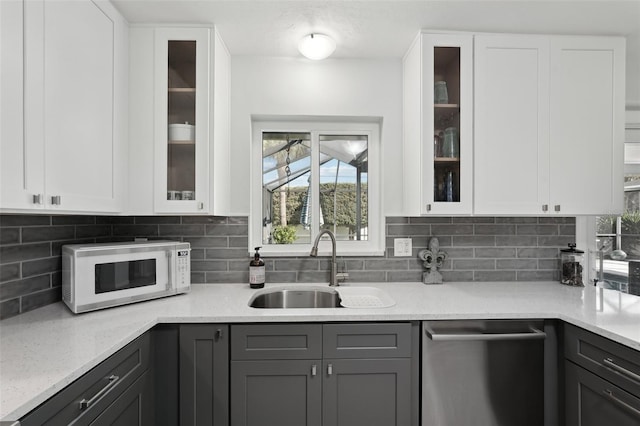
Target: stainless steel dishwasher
(485, 373)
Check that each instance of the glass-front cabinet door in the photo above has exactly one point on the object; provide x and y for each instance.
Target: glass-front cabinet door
(447, 124)
(182, 124)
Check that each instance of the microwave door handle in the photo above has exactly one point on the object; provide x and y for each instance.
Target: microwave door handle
(170, 271)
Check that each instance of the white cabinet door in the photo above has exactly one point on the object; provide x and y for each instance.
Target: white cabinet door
(587, 125)
(21, 144)
(182, 98)
(82, 144)
(511, 132)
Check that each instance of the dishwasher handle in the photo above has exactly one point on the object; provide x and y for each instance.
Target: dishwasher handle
(532, 334)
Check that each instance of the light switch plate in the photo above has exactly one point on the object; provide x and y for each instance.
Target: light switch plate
(402, 247)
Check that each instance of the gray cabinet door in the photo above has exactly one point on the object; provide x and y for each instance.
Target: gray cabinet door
(593, 401)
(276, 393)
(134, 407)
(367, 392)
(204, 374)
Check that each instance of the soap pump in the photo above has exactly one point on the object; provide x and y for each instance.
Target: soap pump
(256, 271)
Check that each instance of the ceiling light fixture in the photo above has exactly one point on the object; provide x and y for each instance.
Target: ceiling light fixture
(316, 46)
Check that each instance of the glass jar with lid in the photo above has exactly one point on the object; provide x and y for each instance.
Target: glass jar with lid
(571, 266)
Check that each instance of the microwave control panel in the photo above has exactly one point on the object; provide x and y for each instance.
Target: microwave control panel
(183, 268)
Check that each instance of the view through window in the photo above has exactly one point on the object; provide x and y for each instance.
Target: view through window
(289, 189)
(618, 241)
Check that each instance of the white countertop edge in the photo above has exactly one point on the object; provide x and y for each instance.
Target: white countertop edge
(298, 315)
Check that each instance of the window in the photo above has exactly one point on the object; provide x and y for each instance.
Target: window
(315, 175)
(618, 238)
(616, 260)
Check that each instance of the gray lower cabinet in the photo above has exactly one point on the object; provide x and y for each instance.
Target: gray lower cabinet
(132, 408)
(204, 374)
(593, 401)
(105, 394)
(372, 392)
(276, 392)
(602, 380)
(324, 375)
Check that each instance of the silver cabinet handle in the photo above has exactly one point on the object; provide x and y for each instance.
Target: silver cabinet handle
(200, 205)
(618, 369)
(534, 333)
(329, 369)
(219, 334)
(56, 200)
(620, 403)
(545, 207)
(37, 198)
(428, 207)
(84, 404)
(556, 207)
(314, 370)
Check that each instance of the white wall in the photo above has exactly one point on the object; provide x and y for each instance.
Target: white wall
(333, 87)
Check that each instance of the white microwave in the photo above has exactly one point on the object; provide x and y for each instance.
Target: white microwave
(96, 276)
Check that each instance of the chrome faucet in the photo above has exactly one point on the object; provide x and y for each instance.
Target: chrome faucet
(335, 277)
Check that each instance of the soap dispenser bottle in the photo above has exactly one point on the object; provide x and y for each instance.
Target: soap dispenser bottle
(256, 271)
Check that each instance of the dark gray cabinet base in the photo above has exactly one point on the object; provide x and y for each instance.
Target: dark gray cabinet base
(356, 374)
(276, 392)
(99, 393)
(371, 392)
(133, 408)
(602, 380)
(593, 401)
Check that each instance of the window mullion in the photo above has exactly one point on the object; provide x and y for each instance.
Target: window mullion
(315, 184)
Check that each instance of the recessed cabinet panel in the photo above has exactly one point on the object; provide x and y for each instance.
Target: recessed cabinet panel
(182, 105)
(371, 392)
(587, 124)
(511, 141)
(592, 401)
(18, 181)
(78, 100)
(276, 392)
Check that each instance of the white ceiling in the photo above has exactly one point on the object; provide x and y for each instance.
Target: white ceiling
(385, 28)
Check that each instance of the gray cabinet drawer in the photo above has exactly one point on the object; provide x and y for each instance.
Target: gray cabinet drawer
(593, 401)
(610, 360)
(367, 340)
(276, 341)
(100, 386)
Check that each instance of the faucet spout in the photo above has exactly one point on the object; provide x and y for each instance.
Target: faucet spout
(333, 281)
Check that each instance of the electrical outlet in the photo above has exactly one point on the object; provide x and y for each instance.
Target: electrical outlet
(402, 247)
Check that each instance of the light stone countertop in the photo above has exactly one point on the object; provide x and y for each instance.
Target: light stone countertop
(44, 350)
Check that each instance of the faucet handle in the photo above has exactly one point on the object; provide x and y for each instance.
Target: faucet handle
(342, 277)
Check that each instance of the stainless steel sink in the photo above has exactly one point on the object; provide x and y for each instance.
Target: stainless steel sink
(296, 298)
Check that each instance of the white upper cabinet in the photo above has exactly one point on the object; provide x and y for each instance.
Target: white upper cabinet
(438, 125)
(175, 105)
(587, 125)
(71, 154)
(548, 122)
(511, 138)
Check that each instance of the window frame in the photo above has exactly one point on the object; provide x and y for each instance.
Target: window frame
(316, 126)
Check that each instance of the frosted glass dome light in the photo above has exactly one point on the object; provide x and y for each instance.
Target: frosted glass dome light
(317, 46)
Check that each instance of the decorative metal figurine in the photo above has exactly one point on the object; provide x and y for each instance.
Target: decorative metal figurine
(432, 260)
